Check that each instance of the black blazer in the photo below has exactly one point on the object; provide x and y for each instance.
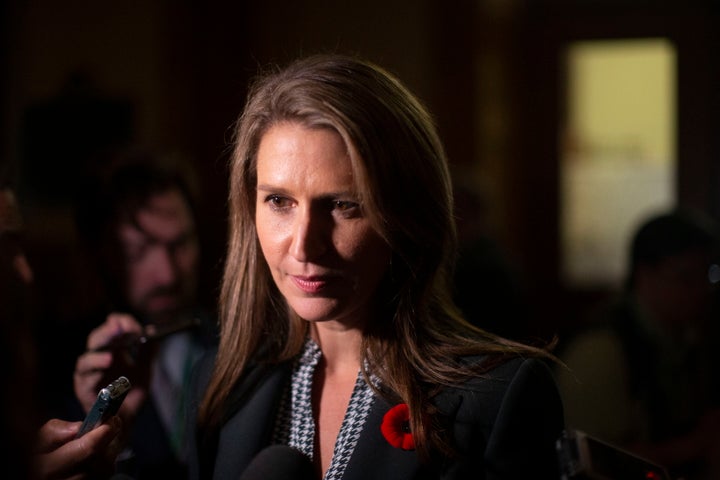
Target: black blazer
(504, 425)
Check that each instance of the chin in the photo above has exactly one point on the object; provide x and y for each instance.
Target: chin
(315, 309)
(165, 315)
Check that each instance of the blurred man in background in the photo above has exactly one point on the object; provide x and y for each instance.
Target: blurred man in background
(138, 223)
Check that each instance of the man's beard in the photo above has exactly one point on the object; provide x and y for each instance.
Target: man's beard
(180, 305)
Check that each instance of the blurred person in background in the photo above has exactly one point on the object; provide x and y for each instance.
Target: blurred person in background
(642, 375)
(32, 450)
(139, 225)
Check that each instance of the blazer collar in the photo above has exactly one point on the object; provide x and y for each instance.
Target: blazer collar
(247, 431)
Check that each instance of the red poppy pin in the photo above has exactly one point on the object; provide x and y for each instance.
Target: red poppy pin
(396, 427)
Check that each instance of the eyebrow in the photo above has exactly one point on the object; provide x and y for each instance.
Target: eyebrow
(267, 188)
(186, 234)
(284, 191)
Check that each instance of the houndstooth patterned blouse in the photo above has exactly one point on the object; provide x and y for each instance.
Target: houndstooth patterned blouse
(295, 425)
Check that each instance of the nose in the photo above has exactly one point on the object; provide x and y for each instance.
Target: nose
(310, 237)
(165, 267)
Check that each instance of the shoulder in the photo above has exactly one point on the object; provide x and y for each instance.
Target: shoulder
(253, 374)
(509, 417)
(506, 382)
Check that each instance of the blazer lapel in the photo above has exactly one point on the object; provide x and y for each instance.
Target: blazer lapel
(248, 430)
(374, 457)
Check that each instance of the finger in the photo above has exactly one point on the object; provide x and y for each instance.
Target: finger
(101, 436)
(71, 457)
(90, 369)
(115, 324)
(126, 322)
(54, 433)
(91, 362)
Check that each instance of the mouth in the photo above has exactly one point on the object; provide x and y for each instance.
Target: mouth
(310, 285)
(162, 302)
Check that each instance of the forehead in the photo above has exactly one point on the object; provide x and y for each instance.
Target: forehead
(167, 212)
(294, 153)
(170, 204)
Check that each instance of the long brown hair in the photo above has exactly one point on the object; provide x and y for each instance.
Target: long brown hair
(402, 175)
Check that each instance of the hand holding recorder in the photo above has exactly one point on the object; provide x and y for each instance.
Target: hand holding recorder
(87, 450)
(61, 454)
(121, 346)
(96, 368)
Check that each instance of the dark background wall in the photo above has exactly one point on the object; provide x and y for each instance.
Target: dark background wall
(80, 75)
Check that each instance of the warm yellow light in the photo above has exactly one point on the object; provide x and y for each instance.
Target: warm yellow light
(619, 148)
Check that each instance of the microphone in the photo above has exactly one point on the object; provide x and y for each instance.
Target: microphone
(279, 462)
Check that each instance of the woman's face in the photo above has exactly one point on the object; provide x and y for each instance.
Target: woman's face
(324, 256)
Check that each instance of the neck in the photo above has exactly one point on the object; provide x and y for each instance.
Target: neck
(340, 346)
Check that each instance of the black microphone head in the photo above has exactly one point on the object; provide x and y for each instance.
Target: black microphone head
(278, 462)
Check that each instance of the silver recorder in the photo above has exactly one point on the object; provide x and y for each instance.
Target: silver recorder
(107, 404)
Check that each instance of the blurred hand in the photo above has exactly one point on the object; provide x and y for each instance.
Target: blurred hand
(96, 369)
(59, 455)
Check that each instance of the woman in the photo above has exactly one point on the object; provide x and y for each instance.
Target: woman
(338, 334)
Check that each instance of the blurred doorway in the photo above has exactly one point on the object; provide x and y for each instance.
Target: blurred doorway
(617, 152)
(616, 113)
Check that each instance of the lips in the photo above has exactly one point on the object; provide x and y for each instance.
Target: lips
(162, 302)
(310, 284)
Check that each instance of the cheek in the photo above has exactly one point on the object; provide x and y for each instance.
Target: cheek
(187, 259)
(370, 254)
(136, 279)
(268, 239)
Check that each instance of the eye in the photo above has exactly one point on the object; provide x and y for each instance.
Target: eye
(181, 243)
(136, 252)
(277, 202)
(344, 206)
